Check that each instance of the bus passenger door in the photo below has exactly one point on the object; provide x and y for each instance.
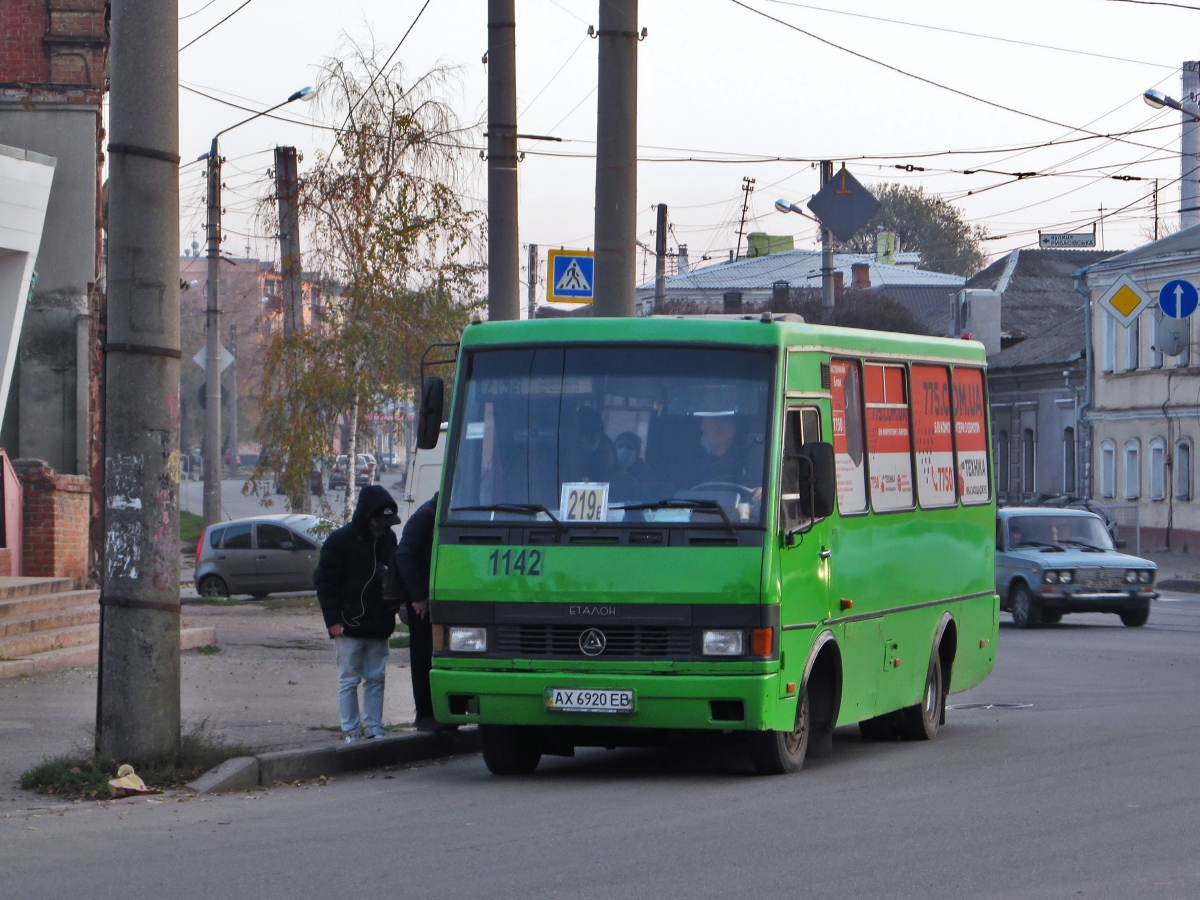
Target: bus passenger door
(803, 557)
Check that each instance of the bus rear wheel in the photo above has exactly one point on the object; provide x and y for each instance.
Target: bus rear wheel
(509, 749)
(783, 752)
(921, 721)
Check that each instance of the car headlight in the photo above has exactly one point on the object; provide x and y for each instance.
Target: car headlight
(467, 640)
(723, 643)
(1146, 576)
(1050, 577)
(1066, 577)
(1131, 576)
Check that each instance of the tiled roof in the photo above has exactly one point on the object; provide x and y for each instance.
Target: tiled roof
(931, 305)
(1060, 343)
(1180, 243)
(1038, 287)
(800, 268)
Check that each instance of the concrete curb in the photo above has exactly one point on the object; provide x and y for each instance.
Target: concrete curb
(1187, 585)
(247, 772)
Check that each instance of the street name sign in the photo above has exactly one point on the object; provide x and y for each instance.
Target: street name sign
(1060, 241)
(1178, 298)
(1125, 301)
(843, 205)
(572, 276)
(201, 359)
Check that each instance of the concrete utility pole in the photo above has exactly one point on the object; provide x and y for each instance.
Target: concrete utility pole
(138, 704)
(504, 275)
(212, 353)
(287, 193)
(233, 400)
(660, 259)
(532, 280)
(616, 161)
(1189, 185)
(826, 251)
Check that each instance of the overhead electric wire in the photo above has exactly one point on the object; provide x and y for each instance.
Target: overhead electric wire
(1158, 3)
(197, 12)
(215, 27)
(552, 78)
(387, 62)
(972, 34)
(912, 75)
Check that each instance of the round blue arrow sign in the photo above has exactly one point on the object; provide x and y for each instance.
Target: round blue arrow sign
(1178, 298)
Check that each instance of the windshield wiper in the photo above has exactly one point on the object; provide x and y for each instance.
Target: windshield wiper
(528, 509)
(683, 503)
(1041, 545)
(1084, 544)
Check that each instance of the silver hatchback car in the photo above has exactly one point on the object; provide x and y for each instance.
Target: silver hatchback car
(260, 555)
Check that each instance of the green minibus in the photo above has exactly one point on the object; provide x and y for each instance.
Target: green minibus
(659, 526)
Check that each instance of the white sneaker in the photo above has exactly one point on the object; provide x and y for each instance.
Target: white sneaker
(350, 737)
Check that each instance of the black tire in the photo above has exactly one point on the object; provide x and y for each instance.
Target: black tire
(1137, 617)
(509, 749)
(212, 586)
(261, 594)
(783, 752)
(880, 728)
(1026, 611)
(921, 721)
(1051, 617)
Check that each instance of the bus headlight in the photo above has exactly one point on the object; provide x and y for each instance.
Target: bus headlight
(723, 643)
(467, 640)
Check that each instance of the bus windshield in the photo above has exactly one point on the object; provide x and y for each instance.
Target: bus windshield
(613, 434)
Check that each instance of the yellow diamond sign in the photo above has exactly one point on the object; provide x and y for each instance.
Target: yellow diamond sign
(1125, 301)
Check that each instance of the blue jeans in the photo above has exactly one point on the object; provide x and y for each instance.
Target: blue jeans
(361, 660)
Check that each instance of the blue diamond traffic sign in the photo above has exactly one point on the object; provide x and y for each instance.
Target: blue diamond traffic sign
(1178, 298)
(843, 205)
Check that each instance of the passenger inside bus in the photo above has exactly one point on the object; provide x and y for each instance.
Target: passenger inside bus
(630, 465)
(592, 455)
(726, 459)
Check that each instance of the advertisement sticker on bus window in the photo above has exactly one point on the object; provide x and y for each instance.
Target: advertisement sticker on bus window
(584, 502)
(846, 393)
(932, 437)
(970, 437)
(889, 444)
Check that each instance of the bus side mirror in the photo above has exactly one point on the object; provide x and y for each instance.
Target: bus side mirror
(818, 480)
(429, 418)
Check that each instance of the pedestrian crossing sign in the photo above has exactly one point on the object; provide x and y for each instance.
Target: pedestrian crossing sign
(571, 276)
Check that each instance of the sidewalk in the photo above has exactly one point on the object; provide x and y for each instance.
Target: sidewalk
(272, 686)
(1176, 571)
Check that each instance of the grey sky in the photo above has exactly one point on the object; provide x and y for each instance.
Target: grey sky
(717, 80)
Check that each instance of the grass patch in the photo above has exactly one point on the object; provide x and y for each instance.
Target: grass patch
(396, 641)
(308, 602)
(209, 649)
(82, 776)
(191, 527)
(216, 601)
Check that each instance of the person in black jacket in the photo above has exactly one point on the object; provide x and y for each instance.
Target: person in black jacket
(413, 557)
(355, 564)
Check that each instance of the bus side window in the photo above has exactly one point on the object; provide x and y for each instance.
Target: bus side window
(801, 426)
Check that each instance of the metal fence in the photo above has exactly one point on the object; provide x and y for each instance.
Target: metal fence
(1129, 524)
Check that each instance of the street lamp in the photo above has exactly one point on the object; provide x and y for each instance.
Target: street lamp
(826, 250)
(1189, 148)
(212, 354)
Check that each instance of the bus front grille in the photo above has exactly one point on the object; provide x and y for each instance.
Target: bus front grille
(627, 642)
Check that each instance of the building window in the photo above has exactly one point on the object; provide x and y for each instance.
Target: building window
(1108, 351)
(1028, 468)
(1158, 469)
(1133, 341)
(1133, 472)
(1069, 461)
(1183, 470)
(1108, 469)
(1002, 461)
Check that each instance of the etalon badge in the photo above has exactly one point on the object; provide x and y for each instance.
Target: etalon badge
(592, 642)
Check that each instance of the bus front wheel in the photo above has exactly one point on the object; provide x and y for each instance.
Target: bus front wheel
(921, 721)
(783, 752)
(509, 749)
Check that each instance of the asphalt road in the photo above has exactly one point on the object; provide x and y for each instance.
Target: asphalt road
(1088, 791)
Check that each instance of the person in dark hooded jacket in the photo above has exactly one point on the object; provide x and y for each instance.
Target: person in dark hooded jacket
(354, 569)
(413, 557)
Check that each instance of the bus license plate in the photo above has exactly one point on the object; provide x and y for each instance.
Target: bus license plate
(589, 701)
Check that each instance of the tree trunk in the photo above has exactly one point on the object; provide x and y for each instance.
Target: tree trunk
(351, 461)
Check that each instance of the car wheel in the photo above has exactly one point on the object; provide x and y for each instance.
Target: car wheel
(1026, 611)
(212, 586)
(782, 752)
(260, 595)
(1137, 617)
(509, 749)
(921, 721)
